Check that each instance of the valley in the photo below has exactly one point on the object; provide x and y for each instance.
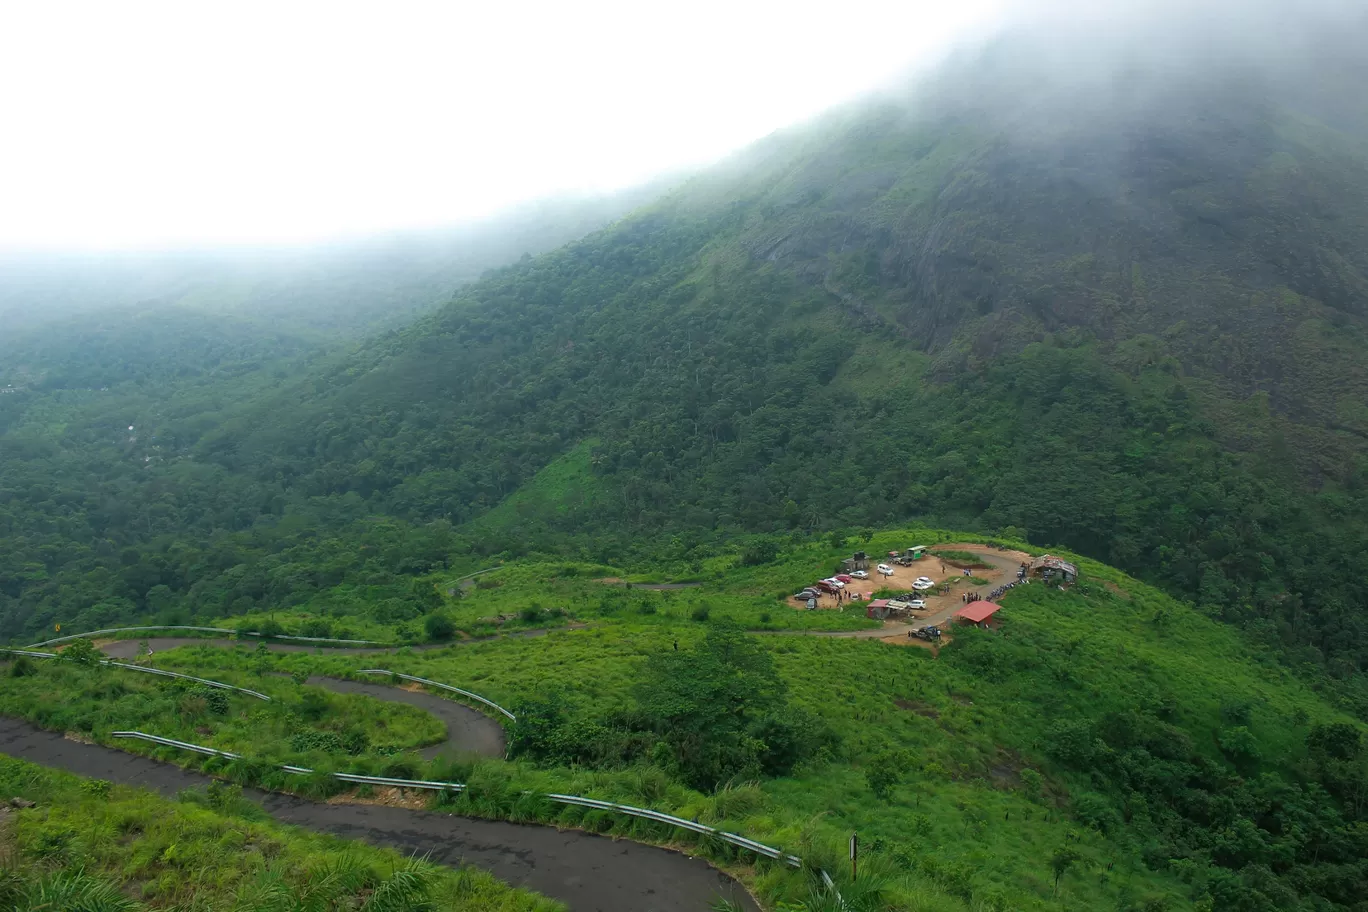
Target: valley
(534, 563)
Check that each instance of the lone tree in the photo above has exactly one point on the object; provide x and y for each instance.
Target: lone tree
(1064, 857)
(721, 712)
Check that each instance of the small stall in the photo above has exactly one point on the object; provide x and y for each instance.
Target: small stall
(980, 614)
(1053, 569)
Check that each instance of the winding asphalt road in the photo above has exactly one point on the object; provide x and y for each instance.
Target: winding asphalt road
(586, 872)
(468, 730)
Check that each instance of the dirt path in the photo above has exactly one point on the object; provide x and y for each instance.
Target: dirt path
(586, 872)
(939, 608)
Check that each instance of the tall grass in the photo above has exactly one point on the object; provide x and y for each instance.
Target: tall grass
(78, 851)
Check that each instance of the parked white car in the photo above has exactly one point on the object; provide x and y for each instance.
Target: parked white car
(885, 569)
(926, 579)
(835, 582)
(917, 603)
(860, 574)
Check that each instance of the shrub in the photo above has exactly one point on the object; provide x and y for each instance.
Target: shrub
(1239, 744)
(96, 788)
(313, 706)
(355, 741)
(438, 628)
(400, 768)
(223, 796)
(759, 552)
(700, 613)
(316, 627)
(215, 700)
(267, 628)
(23, 667)
(1095, 811)
(312, 740)
(192, 706)
(82, 652)
(1072, 742)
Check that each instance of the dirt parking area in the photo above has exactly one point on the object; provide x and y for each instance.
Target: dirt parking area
(864, 588)
(1001, 567)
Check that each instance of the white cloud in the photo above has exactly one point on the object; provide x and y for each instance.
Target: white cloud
(136, 123)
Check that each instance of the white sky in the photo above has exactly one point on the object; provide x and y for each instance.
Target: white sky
(130, 124)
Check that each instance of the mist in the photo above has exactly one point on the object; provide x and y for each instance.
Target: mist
(1050, 64)
(159, 125)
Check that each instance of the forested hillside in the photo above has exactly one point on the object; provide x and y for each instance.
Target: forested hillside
(1127, 319)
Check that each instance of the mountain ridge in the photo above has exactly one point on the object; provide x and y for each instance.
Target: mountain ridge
(1137, 335)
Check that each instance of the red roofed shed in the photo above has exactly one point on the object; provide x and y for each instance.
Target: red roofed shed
(878, 609)
(979, 612)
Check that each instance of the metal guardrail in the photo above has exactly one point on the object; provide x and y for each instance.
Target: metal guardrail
(462, 579)
(145, 669)
(750, 845)
(250, 633)
(345, 777)
(172, 674)
(464, 693)
(402, 783)
(183, 745)
(77, 636)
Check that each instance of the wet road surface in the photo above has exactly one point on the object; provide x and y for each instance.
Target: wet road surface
(468, 730)
(586, 872)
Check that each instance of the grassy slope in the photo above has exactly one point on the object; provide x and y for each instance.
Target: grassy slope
(97, 701)
(966, 823)
(566, 484)
(207, 852)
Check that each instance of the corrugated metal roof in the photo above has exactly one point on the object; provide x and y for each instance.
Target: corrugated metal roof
(1054, 563)
(978, 612)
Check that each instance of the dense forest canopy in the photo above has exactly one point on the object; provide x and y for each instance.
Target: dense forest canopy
(1130, 323)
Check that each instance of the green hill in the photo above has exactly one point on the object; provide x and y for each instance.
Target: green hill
(1105, 297)
(1121, 314)
(1106, 748)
